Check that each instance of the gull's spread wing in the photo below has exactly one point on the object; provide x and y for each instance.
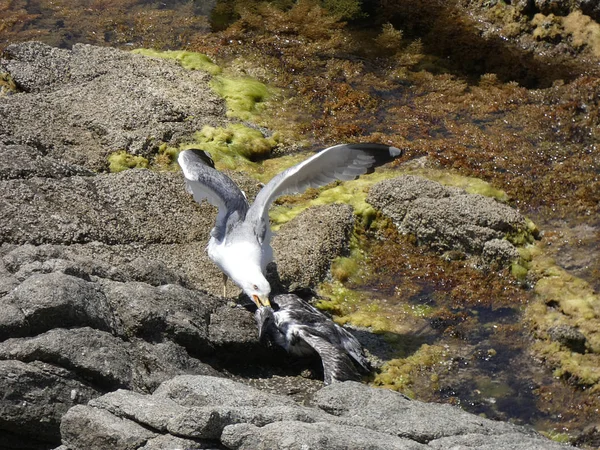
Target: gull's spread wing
(341, 353)
(203, 181)
(341, 162)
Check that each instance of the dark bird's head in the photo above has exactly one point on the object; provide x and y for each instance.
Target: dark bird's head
(265, 321)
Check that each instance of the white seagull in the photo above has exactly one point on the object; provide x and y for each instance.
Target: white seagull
(240, 241)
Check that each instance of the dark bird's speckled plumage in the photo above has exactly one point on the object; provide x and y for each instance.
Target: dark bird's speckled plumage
(303, 330)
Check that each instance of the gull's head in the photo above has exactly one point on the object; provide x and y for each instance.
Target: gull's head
(257, 288)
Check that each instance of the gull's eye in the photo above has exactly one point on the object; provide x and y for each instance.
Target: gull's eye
(255, 287)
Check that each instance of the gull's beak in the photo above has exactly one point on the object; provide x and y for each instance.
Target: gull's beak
(261, 301)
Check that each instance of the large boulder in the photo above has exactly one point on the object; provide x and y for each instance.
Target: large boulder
(90, 101)
(305, 246)
(206, 412)
(449, 218)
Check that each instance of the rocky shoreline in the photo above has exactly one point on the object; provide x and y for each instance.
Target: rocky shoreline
(113, 333)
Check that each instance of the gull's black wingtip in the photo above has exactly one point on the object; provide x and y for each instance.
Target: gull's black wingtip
(395, 152)
(381, 153)
(378, 150)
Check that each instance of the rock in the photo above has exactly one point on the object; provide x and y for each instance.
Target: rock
(189, 407)
(568, 336)
(207, 412)
(154, 313)
(323, 436)
(91, 101)
(23, 161)
(34, 398)
(43, 302)
(168, 441)
(233, 340)
(509, 441)
(446, 218)
(305, 246)
(153, 272)
(210, 391)
(103, 360)
(390, 412)
(84, 427)
(499, 252)
(103, 208)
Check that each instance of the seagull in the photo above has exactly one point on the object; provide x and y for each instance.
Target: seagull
(303, 330)
(240, 242)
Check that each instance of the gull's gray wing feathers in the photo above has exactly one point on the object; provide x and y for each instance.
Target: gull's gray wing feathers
(340, 162)
(337, 365)
(203, 181)
(337, 347)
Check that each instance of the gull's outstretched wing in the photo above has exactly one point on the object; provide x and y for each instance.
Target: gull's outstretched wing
(339, 349)
(340, 162)
(203, 181)
(337, 365)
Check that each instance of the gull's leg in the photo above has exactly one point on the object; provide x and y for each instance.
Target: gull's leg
(224, 285)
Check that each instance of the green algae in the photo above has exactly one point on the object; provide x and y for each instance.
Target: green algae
(7, 84)
(234, 147)
(556, 436)
(400, 374)
(188, 60)
(566, 300)
(121, 160)
(344, 9)
(245, 97)
(353, 193)
(471, 185)
(233, 143)
(166, 158)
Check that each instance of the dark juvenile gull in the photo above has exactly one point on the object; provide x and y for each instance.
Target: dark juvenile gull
(240, 241)
(303, 330)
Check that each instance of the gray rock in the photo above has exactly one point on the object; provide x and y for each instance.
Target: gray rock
(446, 218)
(90, 101)
(200, 415)
(104, 360)
(390, 412)
(152, 272)
(152, 411)
(170, 442)
(43, 302)
(208, 411)
(169, 311)
(568, 336)
(305, 246)
(195, 391)
(18, 256)
(509, 441)
(233, 330)
(102, 208)
(34, 398)
(289, 435)
(209, 422)
(84, 427)
(500, 252)
(22, 161)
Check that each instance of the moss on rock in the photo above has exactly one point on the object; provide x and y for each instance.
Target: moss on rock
(121, 160)
(188, 60)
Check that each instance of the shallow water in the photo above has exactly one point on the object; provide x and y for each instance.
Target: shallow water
(486, 366)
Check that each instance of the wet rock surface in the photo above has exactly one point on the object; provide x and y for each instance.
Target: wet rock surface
(111, 332)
